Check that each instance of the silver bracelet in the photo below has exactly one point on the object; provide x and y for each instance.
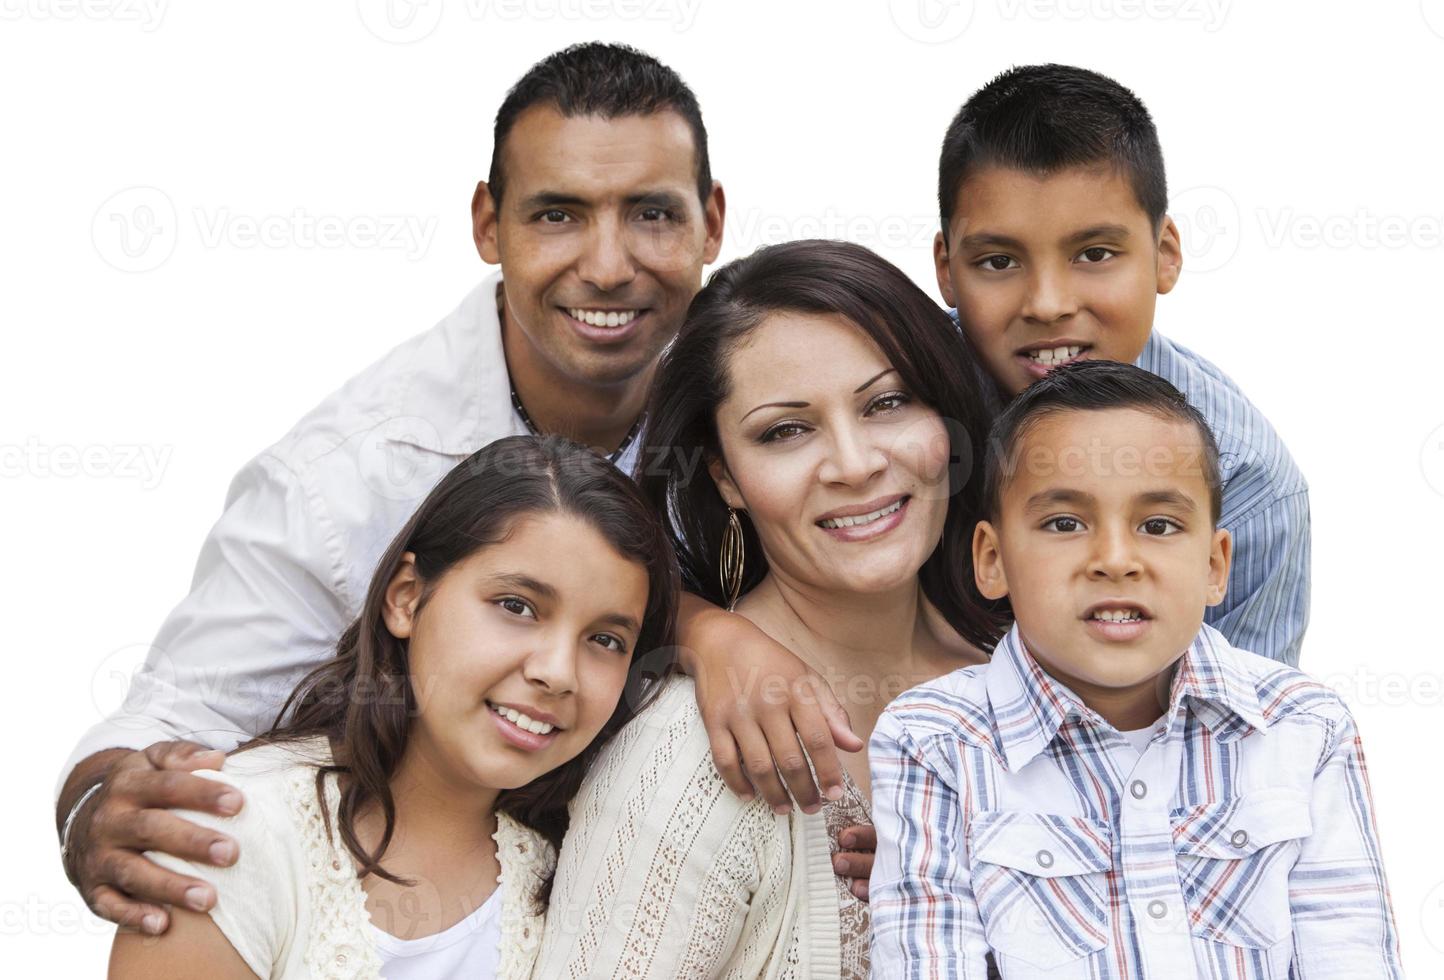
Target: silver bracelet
(70, 821)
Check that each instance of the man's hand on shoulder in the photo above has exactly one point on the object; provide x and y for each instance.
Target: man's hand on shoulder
(130, 813)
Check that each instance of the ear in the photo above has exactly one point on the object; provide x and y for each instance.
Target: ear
(940, 267)
(483, 224)
(725, 486)
(714, 212)
(988, 571)
(403, 592)
(1220, 557)
(1170, 256)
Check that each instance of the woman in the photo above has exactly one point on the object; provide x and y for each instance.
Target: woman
(403, 820)
(836, 408)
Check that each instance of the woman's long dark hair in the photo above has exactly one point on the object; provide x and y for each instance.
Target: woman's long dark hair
(363, 698)
(916, 336)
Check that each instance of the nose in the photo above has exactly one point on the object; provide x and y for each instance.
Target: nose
(856, 457)
(606, 262)
(1050, 297)
(552, 664)
(1114, 555)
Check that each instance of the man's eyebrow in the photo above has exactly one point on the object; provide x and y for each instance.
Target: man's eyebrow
(526, 583)
(775, 405)
(1117, 233)
(872, 381)
(989, 239)
(553, 199)
(1168, 498)
(1050, 498)
(658, 199)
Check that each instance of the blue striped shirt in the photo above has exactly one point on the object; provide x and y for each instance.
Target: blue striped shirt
(1265, 508)
(1015, 824)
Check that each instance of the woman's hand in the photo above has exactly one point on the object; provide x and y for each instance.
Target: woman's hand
(766, 712)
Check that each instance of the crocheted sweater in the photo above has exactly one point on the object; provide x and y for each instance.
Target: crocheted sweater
(666, 873)
(292, 905)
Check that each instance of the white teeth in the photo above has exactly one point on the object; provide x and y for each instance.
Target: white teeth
(521, 721)
(863, 518)
(603, 318)
(1055, 355)
(1117, 615)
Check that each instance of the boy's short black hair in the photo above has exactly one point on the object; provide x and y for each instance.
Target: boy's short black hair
(1043, 118)
(607, 80)
(1084, 386)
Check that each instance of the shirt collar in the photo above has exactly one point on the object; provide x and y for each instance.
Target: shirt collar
(1028, 705)
(454, 395)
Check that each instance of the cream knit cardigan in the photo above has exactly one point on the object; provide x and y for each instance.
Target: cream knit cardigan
(292, 905)
(665, 873)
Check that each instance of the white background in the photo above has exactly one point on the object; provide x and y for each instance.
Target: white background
(280, 150)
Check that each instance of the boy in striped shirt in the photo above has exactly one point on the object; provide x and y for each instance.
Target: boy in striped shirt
(1120, 792)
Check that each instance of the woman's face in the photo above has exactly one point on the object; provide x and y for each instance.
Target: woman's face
(521, 652)
(843, 472)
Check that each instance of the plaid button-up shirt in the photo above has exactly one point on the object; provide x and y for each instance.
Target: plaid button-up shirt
(1015, 823)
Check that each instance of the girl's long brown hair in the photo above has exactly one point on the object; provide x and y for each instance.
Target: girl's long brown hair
(363, 700)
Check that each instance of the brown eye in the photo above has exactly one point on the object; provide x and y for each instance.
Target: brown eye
(1067, 525)
(1160, 526)
(517, 607)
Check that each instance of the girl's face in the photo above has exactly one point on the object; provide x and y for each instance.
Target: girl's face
(520, 654)
(843, 472)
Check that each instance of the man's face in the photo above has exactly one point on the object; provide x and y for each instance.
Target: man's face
(1054, 268)
(1105, 546)
(601, 238)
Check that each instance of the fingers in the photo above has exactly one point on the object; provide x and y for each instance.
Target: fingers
(859, 837)
(729, 762)
(813, 734)
(838, 722)
(184, 755)
(859, 888)
(790, 761)
(140, 879)
(172, 790)
(110, 904)
(757, 764)
(161, 830)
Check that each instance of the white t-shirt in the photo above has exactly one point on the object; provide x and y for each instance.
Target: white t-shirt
(471, 948)
(1139, 738)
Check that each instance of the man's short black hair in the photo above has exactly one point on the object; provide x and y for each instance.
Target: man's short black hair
(1043, 118)
(607, 80)
(1090, 386)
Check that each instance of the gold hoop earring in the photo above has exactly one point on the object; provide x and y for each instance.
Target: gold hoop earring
(733, 556)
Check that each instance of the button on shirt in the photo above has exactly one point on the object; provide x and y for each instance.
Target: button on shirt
(1014, 820)
(286, 568)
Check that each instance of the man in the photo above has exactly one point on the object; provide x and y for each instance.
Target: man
(601, 210)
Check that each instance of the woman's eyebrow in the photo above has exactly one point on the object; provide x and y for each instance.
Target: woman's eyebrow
(526, 583)
(868, 384)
